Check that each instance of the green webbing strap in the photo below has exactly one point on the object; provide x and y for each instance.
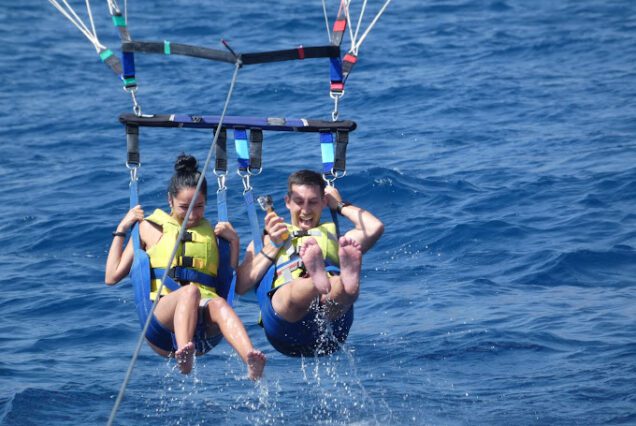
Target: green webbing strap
(112, 61)
(166, 48)
(120, 23)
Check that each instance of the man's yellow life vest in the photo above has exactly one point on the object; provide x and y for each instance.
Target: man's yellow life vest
(288, 262)
(198, 251)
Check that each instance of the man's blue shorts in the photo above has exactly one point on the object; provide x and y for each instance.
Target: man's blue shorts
(311, 336)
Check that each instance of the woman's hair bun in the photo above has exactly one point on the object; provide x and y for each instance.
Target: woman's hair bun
(185, 164)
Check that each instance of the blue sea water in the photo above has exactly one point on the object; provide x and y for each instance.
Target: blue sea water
(496, 140)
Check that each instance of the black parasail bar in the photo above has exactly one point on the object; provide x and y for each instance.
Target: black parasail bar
(169, 48)
(238, 122)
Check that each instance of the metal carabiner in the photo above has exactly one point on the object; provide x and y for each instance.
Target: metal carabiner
(335, 174)
(133, 171)
(336, 102)
(220, 179)
(136, 106)
(246, 183)
(256, 173)
(330, 181)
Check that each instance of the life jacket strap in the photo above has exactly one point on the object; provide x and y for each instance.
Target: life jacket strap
(191, 262)
(185, 274)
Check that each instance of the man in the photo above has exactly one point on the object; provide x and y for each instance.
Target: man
(308, 278)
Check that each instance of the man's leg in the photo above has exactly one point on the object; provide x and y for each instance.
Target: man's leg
(292, 301)
(346, 287)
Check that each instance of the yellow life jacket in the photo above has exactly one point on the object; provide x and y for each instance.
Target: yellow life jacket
(288, 262)
(199, 251)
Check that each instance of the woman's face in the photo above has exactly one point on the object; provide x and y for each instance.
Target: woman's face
(181, 202)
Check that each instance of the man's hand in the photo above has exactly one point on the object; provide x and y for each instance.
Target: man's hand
(275, 227)
(333, 197)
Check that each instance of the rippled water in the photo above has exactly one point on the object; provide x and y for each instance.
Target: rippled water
(496, 140)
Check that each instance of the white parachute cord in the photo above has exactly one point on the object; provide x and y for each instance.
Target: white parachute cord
(126, 11)
(113, 7)
(364, 6)
(77, 21)
(80, 21)
(90, 17)
(375, 20)
(324, 12)
(346, 4)
(79, 24)
(140, 341)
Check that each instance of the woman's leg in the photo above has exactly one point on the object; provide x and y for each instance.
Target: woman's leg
(222, 315)
(179, 311)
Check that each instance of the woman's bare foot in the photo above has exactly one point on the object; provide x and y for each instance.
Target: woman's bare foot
(350, 254)
(255, 364)
(314, 263)
(185, 358)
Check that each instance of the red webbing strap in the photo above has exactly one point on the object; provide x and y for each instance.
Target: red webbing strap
(340, 25)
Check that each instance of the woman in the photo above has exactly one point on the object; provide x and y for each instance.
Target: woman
(194, 307)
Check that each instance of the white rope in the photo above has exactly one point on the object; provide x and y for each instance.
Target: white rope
(364, 6)
(324, 12)
(90, 17)
(347, 4)
(375, 20)
(113, 7)
(77, 21)
(140, 341)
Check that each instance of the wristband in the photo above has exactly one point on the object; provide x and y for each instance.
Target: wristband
(341, 205)
(119, 234)
(270, 258)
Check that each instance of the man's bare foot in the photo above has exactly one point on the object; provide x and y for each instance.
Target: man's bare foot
(314, 263)
(255, 364)
(350, 254)
(185, 358)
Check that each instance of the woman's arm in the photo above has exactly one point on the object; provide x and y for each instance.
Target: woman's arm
(119, 259)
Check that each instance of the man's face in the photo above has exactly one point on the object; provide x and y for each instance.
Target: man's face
(305, 205)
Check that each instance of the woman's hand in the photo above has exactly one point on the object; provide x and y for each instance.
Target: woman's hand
(136, 214)
(276, 228)
(226, 231)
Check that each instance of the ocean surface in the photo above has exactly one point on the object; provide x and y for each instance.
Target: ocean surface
(496, 140)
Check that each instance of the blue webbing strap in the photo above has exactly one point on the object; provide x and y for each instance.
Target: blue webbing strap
(243, 159)
(226, 276)
(221, 205)
(334, 219)
(335, 64)
(242, 149)
(186, 274)
(327, 150)
(128, 72)
(253, 218)
(157, 273)
(328, 161)
(140, 270)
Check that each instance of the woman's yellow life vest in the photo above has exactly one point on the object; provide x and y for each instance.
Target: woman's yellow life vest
(199, 251)
(288, 262)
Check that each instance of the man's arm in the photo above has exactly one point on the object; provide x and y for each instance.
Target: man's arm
(368, 228)
(255, 265)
